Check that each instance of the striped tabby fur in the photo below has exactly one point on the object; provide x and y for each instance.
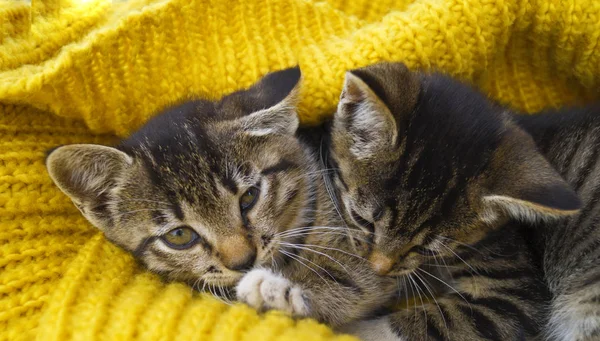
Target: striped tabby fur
(224, 195)
(570, 139)
(442, 181)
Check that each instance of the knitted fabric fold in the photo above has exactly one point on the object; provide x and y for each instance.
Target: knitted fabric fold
(90, 71)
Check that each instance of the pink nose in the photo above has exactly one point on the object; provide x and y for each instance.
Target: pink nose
(237, 253)
(380, 263)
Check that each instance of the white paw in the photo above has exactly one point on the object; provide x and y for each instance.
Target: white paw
(264, 289)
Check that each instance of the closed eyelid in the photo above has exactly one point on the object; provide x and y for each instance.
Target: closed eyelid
(378, 214)
(423, 250)
(362, 221)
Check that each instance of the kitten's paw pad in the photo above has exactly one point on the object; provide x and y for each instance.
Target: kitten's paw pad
(264, 289)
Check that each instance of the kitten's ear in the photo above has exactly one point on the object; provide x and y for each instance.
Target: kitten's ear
(277, 93)
(372, 100)
(86, 172)
(527, 187)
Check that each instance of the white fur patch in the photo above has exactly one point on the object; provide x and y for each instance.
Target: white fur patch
(372, 330)
(262, 288)
(572, 320)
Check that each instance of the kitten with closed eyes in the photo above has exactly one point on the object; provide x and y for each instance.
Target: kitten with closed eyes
(442, 181)
(227, 195)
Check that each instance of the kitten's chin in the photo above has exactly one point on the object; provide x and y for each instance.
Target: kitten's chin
(222, 281)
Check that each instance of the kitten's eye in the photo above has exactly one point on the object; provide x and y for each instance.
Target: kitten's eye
(181, 238)
(362, 221)
(248, 199)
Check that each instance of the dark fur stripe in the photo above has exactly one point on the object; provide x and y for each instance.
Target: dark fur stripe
(524, 293)
(139, 250)
(596, 299)
(446, 314)
(205, 244)
(101, 209)
(433, 331)
(503, 274)
(229, 183)
(290, 195)
(282, 166)
(484, 326)
(588, 249)
(577, 227)
(505, 308)
(336, 171)
(574, 151)
(177, 210)
(590, 281)
(164, 257)
(590, 163)
(158, 217)
(581, 232)
(342, 278)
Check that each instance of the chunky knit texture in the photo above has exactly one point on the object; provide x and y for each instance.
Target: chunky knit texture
(74, 71)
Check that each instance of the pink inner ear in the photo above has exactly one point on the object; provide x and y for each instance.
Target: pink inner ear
(522, 209)
(353, 91)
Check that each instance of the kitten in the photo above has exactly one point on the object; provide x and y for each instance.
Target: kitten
(439, 178)
(570, 140)
(224, 195)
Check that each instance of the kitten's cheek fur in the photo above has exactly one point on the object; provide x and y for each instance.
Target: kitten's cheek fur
(264, 289)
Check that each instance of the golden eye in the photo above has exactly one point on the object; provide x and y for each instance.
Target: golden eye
(181, 238)
(248, 199)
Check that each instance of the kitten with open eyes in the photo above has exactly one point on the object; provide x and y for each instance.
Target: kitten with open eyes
(226, 195)
(442, 181)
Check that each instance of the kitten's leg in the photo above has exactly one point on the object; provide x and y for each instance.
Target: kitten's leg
(489, 318)
(575, 317)
(488, 302)
(572, 270)
(325, 291)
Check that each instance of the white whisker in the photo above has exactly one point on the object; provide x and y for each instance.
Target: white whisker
(420, 298)
(304, 247)
(457, 256)
(146, 200)
(296, 258)
(405, 289)
(434, 299)
(333, 249)
(328, 185)
(327, 233)
(311, 228)
(134, 211)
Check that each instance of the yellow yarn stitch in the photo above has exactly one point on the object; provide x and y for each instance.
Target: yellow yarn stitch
(75, 71)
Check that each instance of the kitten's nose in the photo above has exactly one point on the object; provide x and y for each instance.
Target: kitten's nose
(237, 253)
(244, 264)
(380, 263)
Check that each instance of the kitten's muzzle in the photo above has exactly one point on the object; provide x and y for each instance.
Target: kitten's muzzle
(381, 263)
(237, 253)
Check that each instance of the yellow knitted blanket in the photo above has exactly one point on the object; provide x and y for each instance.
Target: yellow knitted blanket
(74, 71)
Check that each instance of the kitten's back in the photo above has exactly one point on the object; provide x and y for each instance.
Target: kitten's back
(570, 140)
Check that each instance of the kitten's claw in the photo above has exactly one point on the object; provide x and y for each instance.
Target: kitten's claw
(264, 289)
